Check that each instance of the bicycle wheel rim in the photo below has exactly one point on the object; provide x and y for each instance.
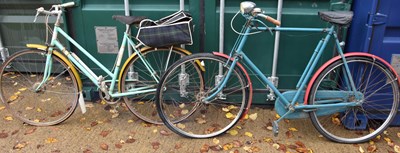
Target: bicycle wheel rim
(377, 84)
(50, 105)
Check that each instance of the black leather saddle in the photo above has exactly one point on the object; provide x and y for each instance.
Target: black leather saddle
(129, 19)
(337, 17)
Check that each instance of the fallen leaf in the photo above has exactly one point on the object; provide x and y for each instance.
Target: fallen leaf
(336, 121)
(231, 107)
(268, 140)
(387, 139)
(30, 131)
(182, 105)
(178, 145)
(118, 145)
(8, 118)
(130, 121)
(227, 146)
(130, 140)
(155, 145)
(39, 146)
(232, 132)
(248, 134)
(165, 133)
(105, 133)
(225, 109)
(201, 120)
(3, 134)
(14, 132)
(229, 116)
(104, 146)
(93, 124)
(385, 132)
(51, 140)
(22, 89)
(302, 150)
(204, 148)
(396, 148)
(289, 134)
(184, 112)
(371, 148)
(276, 146)
(237, 144)
(215, 141)
(19, 146)
(87, 151)
(253, 116)
(68, 78)
(277, 116)
(181, 126)
(2, 107)
(114, 115)
(300, 144)
(39, 110)
(12, 98)
(282, 147)
(361, 150)
(216, 148)
(293, 129)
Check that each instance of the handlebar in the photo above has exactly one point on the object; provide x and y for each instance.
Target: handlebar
(68, 4)
(57, 10)
(270, 19)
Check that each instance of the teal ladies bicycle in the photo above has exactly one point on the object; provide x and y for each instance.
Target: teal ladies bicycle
(339, 98)
(42, 85)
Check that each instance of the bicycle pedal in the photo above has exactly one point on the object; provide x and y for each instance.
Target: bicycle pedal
(275, 128)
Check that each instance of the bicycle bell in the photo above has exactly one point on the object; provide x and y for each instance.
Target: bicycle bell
(247, 7)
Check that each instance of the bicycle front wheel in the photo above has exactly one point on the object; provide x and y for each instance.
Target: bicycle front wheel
(182, 91)
(377, 95)
(136, 75)
(21, 93)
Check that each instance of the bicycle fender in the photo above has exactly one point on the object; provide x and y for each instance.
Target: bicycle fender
(338, 58)
(144, 49)
(248, 80)
(64, 59)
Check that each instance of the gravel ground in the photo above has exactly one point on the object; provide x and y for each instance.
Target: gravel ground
(98, 130)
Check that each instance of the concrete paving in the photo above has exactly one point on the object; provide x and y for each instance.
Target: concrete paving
(98, 131)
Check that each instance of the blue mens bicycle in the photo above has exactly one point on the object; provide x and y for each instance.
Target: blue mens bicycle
(339, 98)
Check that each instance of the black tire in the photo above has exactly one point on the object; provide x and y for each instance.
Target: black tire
(53, 103)
(198, 119)
(378, 94)
(142, 105)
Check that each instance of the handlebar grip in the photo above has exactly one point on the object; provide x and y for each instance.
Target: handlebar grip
(69, 4)
(270, 19)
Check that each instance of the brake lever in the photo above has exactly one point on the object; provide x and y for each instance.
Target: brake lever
(40, 9)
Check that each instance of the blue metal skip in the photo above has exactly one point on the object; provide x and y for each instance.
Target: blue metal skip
(376, 29)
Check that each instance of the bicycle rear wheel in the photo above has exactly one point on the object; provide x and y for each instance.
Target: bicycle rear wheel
(182, 89)
(135, 75)
(54, 102)
(377, 92)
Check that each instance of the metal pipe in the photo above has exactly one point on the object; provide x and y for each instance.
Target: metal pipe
(277, 38)
(221, 31)
(181, 4)
(127, 13)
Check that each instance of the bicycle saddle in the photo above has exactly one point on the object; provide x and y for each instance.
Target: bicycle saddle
(128, 19)
(337, 17)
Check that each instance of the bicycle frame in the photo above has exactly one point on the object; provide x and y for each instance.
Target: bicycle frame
(238, 53)
(97, 80)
